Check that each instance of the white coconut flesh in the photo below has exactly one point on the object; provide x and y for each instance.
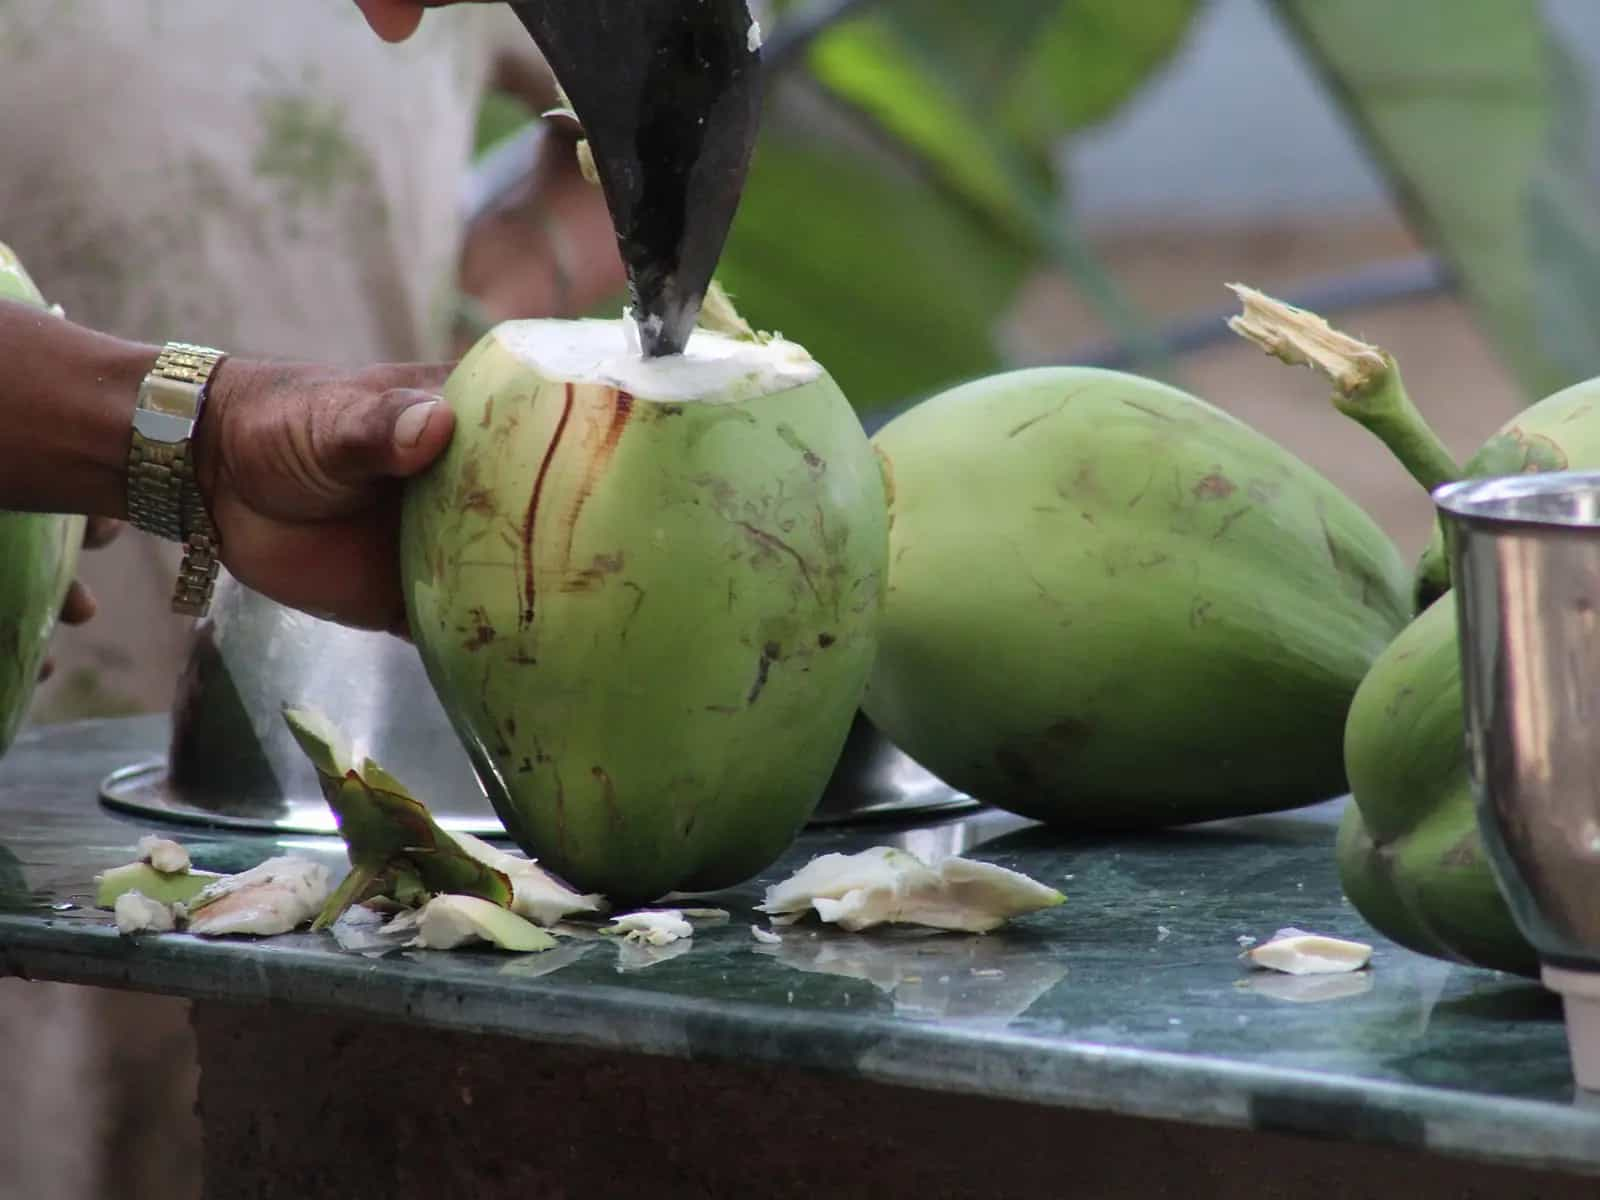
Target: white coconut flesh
(655, 927)
(714, 368)
(164, 854)
(1296, 952)
(275, 897)
(884, 885)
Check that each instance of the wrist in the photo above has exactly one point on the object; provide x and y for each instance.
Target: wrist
(209, 442)
(68, 402)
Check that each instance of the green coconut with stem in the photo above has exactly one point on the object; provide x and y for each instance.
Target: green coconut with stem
(647, 593)
(1409, 852)
(40, 556)
(1112, 604)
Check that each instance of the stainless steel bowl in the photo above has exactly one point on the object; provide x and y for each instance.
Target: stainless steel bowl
(232, 761)
(1525, 559)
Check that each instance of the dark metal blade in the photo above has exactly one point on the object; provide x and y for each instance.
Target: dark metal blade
(669, 96)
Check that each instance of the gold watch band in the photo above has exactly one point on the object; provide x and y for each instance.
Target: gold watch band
(163, 498)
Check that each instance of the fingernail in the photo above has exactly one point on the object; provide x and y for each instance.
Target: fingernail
(410, 424)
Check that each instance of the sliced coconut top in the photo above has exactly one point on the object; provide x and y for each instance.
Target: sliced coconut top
(714, 368)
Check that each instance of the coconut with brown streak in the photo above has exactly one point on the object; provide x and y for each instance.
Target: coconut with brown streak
(647, 593)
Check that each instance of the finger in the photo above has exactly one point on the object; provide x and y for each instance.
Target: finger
(79, 605)
(395, 433)
(392, 20)
(100, 531)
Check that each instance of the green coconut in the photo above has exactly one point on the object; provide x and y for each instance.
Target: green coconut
(647, 594)
(1560, 433)
(1410, 855)
(1112, 604)
(40, 553)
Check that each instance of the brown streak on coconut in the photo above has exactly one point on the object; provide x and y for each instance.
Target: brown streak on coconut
(1214, 486)
(770, 542)
(525, 618)
(621, 410)
(769, 655)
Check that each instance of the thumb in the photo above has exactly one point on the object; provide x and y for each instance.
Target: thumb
(392, 20)
(395, 433)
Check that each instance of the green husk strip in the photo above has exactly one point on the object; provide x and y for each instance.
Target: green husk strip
(178, 887)
(451, 920)
(1367, 384)
(392, 842)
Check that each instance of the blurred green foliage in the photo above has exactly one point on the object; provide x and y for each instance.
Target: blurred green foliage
(1478, 116)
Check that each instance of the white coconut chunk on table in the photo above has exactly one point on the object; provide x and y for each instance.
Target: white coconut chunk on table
(1296, 952)
(137, 913)
(448, 921)
(536, 895)
(884, 885)
(164, 854)
(655, 927)
(276, 897)
(765, 936)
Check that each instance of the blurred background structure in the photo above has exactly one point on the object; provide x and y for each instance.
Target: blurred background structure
(944, 190)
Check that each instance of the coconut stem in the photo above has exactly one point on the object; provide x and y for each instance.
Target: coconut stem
(1366, 379)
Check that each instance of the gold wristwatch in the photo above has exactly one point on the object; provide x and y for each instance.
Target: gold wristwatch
(163, 498)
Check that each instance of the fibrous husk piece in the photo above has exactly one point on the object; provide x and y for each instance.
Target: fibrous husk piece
(446, 922)
(655, 927)
(1296, 952)
(885, 885)
(278, 896)
(392, 840)
(164, 888)
(535, 893)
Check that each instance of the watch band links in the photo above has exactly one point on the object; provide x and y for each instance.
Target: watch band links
(163, 498)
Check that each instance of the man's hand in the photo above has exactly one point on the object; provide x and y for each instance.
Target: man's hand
(396, 20)
(301, 467)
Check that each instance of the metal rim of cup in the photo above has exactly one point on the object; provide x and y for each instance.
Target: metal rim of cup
(1542, 500)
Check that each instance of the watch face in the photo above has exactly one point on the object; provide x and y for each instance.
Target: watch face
(166, 410)
(165, 428)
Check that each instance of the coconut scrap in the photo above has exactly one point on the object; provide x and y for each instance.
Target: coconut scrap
(447, 922)
(164, 854)
(536, 895)
(137, 913)
(655, 927)
(276, 897)
(176, 887)
(765, 936)
(1296, 952)
(885, 885)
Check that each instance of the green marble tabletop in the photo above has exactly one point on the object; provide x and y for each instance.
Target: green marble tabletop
(1129, 998)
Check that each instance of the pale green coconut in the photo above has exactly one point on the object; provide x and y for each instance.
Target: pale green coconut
(1112, 604)
(647, 593)
(40, 556)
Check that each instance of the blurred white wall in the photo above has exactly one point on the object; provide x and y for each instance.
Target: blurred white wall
(1236, 129)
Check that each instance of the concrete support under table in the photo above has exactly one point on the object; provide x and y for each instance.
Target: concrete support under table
(300, 1106)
